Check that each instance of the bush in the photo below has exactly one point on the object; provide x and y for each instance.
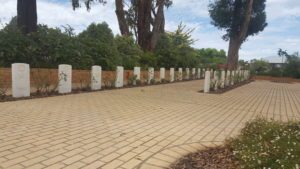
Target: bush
(264, 144)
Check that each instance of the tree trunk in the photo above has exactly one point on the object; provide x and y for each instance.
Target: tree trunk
(158, 25)
(27, 16)
(144, 24)
(237, 40)
(233, 53)
(121, 18)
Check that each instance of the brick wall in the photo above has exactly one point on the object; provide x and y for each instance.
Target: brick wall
(80, 78)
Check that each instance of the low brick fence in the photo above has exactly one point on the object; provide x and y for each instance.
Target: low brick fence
(276, 79)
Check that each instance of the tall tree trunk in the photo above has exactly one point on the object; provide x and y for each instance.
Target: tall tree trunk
(158, 25)
(144, 23)
(237, 40)
(121, 18)
(233, 52)
(27, 16)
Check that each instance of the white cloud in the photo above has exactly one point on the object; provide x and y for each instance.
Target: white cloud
(282, 16)
(56, 14)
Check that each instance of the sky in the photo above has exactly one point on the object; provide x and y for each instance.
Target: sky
(283, 17)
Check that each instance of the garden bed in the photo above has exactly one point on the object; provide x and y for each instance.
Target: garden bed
(261, 144)
(9, 98)
(211, 158)
(228, 88)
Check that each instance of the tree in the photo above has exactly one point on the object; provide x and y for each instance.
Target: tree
(143, 18)
(240, 19)
(259, 67)
(27, 16)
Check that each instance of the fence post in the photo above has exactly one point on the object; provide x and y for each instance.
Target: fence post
(64, 78)
(20, 80)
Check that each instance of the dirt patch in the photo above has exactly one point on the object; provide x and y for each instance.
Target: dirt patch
(212, 158)
(226, 89)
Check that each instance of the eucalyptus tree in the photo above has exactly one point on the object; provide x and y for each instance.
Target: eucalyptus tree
(240, 19)
(27, 16)
(142, 18)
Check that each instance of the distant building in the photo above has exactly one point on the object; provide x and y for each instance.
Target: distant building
(276, 61)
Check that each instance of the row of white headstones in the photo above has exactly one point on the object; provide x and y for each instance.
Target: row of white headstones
(21, 77)
(226, 78)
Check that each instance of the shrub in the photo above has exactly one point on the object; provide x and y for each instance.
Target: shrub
(264, 144)
(3, 88)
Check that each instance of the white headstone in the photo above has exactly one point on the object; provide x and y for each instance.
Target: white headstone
(216, 78)
(150, 74)
(233, 77)
(228, 78)
(194, 73)
(119, 77)
(172, 74)
(65, 78)
(20, 80)
(211, 73)
(137, 74)
(203, 73)
(198, 73)
(187, 73)
(179, 73)
(207, 82)
(162, 74)
(223, 79)
(96, 78)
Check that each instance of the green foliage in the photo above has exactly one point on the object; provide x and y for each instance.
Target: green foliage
(264, 144)
(97, 45)
(229, 15)
(259, 67)
(292, 68)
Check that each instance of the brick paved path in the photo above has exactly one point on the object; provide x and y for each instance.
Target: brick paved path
(146, 128)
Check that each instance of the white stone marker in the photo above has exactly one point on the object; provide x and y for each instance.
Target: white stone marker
(203, 73)
(180, 74)
(228, 78)
(198, 73)
(233, 77)
(65, 78)
(96, 78)
(172, 74)
(187, 72)
(150, 74)
(137, 74)
(216, 78)
(211, 73)
(162, 74)
(223, 79)
(20, 80)
(119, 77)
(194, 73)
(207, 82)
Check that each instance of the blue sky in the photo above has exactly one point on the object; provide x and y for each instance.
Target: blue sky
(283, 17)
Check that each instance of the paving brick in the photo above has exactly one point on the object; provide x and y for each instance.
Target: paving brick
(122, 128)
